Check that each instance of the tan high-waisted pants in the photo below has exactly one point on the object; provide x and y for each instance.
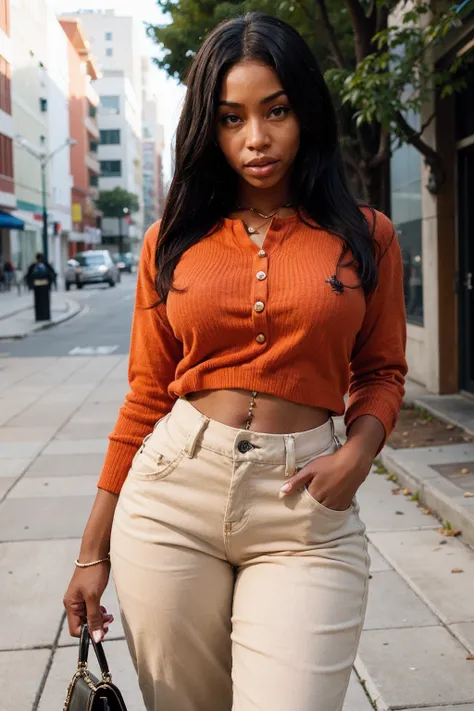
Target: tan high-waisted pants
(231, 596)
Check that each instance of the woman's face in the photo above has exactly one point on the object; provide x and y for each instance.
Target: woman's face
(257, 130)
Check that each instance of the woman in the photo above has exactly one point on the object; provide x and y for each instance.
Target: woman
(238, 555)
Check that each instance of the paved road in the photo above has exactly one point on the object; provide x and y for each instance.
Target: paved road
(103, 325)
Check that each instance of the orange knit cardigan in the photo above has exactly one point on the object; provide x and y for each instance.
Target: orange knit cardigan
(272, 320)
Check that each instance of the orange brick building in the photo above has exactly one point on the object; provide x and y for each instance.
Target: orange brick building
(85, 168)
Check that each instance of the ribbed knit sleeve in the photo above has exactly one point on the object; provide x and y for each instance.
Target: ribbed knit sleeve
(154, 354)
(378, 366)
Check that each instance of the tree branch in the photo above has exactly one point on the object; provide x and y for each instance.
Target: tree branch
(330, 31)
(432, 158)
(360, 24)
(383, 153)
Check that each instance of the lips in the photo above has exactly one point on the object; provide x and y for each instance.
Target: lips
(261, 167)
(260, 162)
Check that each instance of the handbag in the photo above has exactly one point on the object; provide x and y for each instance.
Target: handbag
(87, 693)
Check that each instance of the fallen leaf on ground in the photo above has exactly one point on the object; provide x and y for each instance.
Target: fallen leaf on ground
(468, 494)
(457, 570)
(464, 470)
(405, 434)
(470, 657)
(449, 532)
(395, 491)
(427, 512)
(436, 549)
(450, 427)
(406, 492)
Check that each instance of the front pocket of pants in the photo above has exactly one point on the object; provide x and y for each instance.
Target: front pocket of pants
(318, 506)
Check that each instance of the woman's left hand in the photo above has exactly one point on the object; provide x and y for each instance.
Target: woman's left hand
(334, 479)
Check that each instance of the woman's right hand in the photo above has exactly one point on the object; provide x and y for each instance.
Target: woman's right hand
(82, 601)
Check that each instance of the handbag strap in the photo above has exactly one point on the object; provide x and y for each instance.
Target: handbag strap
(99, 652)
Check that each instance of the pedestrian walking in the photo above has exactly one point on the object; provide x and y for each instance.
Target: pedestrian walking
(38, 267)
(9, 275)
(226, 506)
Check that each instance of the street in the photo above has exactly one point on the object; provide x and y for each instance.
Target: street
(103, 325)
(60, 392)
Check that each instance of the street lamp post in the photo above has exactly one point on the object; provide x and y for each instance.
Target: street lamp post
(44, 159)
(45, 212)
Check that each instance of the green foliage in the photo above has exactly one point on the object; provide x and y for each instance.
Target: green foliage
(396, 77)
(191, 20)
(113, 202)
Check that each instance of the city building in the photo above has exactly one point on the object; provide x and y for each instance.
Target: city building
(152, 147)
(84, 130)
(436, 233)
(7, 185)
(40, 111)
(119, 116)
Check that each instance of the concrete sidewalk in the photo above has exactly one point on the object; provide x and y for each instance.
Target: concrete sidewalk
(55, 414)
(442, 476)
(17, 316)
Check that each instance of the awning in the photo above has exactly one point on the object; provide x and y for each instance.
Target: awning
(9, 222)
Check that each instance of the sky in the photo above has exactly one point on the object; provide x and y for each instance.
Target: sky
(170, 93)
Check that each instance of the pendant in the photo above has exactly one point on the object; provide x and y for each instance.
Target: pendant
(251, 230)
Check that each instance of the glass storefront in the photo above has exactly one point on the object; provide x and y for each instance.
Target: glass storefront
(405, 172)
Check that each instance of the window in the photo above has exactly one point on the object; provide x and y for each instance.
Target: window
(109, 52)
(93, 181)
(110, 104)
(108, 36)
(90, 260)
(5, 86)
(43, 105)
(92, 111)
(405, 168)
(110, 137)
(111, 168)
(93, 146)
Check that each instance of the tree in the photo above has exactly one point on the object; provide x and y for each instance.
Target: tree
(117, 203)
(380, 75)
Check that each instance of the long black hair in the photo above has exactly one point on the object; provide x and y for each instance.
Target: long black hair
(204, 187)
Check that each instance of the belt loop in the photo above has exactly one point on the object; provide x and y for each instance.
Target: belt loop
(334, 437)
(194, 435)
(290, 456)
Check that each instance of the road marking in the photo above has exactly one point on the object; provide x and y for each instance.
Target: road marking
(92, 350)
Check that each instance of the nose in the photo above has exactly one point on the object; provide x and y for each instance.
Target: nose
(257, 135)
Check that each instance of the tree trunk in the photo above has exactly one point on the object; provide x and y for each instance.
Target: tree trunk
(377, 187)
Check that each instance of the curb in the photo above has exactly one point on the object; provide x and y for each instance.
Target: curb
(73, 308)
(435, 492)
(442, 416)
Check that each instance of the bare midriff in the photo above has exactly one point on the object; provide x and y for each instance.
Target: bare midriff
(269, 414)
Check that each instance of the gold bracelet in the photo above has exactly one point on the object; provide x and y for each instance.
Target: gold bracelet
(94, 562)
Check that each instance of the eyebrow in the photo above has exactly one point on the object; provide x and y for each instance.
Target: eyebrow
(267, 99)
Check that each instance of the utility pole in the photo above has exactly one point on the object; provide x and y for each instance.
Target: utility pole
(45, 211)
(44, 159)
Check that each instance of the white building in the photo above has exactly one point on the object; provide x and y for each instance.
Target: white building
(116, 43)
(40, 110)
(152, 147)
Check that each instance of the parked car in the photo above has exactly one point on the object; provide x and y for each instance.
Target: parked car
(92, 267)
(125, 262)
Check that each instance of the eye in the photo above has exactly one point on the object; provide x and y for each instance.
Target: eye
(229, 120)
(280, 112)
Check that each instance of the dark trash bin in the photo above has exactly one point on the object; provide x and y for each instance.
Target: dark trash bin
(41, 288)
